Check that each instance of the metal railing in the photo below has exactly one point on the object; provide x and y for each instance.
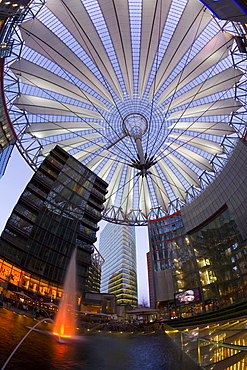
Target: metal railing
(219, 344)
(216, 346)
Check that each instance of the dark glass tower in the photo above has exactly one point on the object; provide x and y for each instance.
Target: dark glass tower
(58, 211)
(210, 258)
(168, 239)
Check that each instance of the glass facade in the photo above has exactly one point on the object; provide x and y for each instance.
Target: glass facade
(221, 257)
(154, 114)
(212, 258)
(4, 158)
(94, 273)
(12, 277)
(118, 248)
(168, 247)
(164, 235)
(58, 211)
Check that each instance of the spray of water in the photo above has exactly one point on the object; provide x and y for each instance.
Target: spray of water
(21, 341)
(65, 320)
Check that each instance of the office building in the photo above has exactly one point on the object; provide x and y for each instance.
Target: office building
(4, 159)
(203, 247)
(94, 272)
(167, 236)
(57, 212)
(117, 245)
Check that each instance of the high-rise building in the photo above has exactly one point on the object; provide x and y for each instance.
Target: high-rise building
(94, 273)
(57, 212)
(4, 159)
(210, 261)
(203, 248)
(150, 280)
(166, 236)
(118, 247)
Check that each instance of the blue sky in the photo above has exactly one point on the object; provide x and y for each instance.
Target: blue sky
(14, 181)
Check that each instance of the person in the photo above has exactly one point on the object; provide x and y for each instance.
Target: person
(9, 304)
(37, 313)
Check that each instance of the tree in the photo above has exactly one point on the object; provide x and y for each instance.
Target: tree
(144, 302)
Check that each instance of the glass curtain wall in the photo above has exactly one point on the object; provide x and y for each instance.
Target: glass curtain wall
(58, 211)
(221, 257)
(212, 258)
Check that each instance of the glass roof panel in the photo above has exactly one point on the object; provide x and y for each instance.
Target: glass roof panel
(86, 57)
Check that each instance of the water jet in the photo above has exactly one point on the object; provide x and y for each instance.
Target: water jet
(21, 341)
(65, 320)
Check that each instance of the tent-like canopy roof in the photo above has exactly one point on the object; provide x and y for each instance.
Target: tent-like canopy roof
(142, 92)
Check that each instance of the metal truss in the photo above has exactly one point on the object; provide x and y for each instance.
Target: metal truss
(30, 147)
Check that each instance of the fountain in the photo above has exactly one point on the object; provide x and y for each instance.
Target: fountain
(65, 320)
(104, 356)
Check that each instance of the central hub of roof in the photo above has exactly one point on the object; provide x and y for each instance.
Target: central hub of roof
(135, 125)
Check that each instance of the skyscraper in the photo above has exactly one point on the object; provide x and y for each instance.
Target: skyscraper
(4, 158)
(118, 247)
(167, 235)
(57, 212)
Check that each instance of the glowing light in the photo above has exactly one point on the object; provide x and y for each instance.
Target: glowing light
(65, 320)
(64, 335)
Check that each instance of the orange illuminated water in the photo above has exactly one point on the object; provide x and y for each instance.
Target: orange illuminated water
(65, 320)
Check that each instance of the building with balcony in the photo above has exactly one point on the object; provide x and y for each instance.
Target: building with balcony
(57, 212)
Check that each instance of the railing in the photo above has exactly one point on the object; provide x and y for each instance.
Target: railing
(216, 346)
(231, 360)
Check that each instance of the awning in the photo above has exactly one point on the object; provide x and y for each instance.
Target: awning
(50, 304)
(93, 313)
(22, 294)
(143, 311)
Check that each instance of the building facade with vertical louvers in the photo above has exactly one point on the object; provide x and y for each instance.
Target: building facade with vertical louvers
(118, 247)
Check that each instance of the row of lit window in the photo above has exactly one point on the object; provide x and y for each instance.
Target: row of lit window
(22, 279)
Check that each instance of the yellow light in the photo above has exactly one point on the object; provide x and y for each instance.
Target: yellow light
(64, 335)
